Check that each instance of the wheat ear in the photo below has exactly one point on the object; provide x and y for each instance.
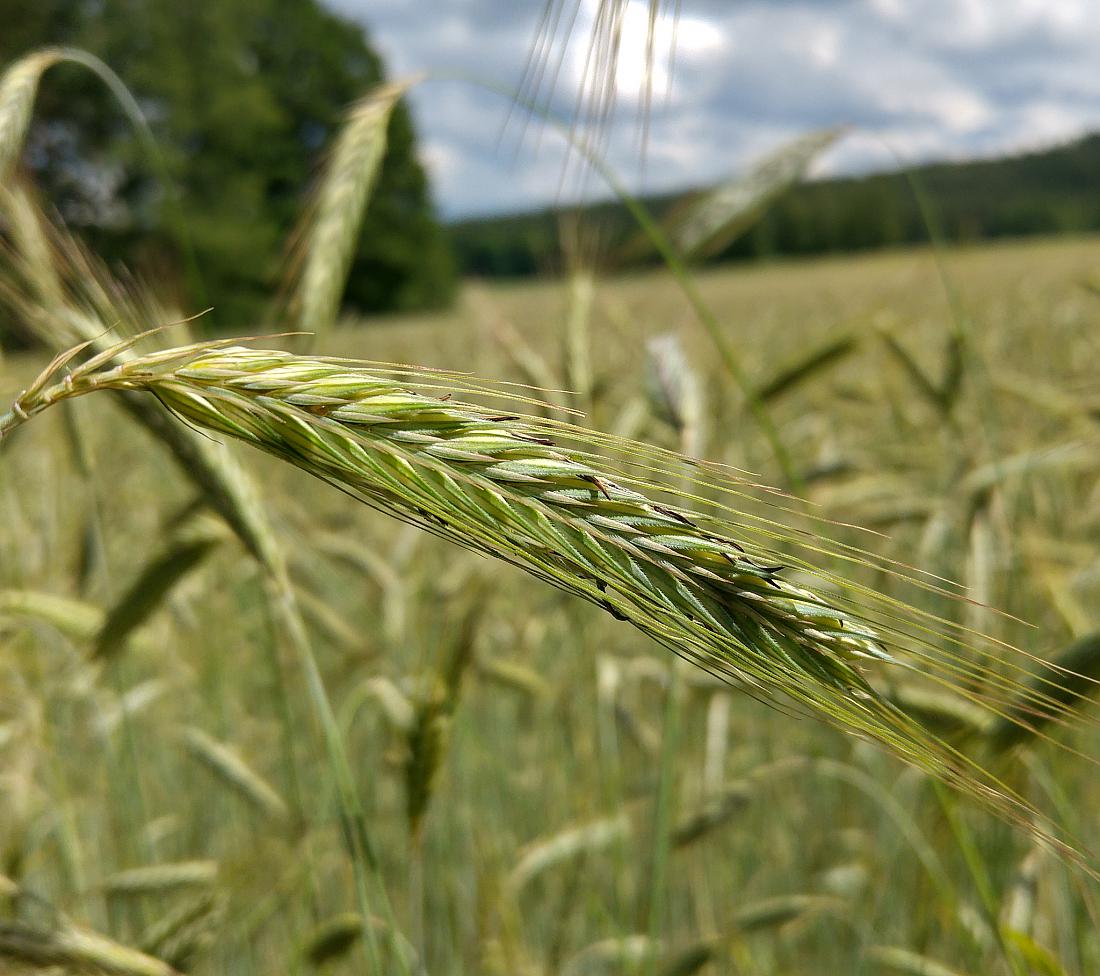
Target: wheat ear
(499, 485)
(332, 226)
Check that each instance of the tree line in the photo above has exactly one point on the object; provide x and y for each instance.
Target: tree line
(243, 97)
(1055, 191)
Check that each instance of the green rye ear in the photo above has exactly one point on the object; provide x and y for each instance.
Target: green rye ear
(18, 89)
(713, 220)
(330, 228)
(709, 580)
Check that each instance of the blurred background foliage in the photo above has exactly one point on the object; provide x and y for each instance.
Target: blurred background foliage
(242, 96)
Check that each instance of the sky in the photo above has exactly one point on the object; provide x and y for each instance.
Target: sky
(916, 80)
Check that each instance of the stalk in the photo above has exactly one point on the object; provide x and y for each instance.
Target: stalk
(663, 815)
(8, 423)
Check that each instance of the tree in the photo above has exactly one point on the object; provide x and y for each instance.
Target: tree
(243, 96)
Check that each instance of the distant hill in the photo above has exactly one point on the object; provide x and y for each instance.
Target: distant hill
(1049, 192)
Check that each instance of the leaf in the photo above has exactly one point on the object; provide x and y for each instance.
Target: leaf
(806, 366)
(152, 585)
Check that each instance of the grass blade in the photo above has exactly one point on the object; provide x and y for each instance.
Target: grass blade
(152, 585)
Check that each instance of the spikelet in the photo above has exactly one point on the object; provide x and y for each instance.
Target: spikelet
(19, 86)
(394, 704)
(719, 216)
(611, 955)
(672, 389)
(544, 853)
(333, 938)
(498, 485)
(227, 765)
(74, 618)
(156, 879)
(773, 912)
(155, 581)
(179, 933)
(452, 465)
(74, 949)
(427, 745)
(903, 962)
(516, 676)
(806, 366)
(714, 814)
(429, 734)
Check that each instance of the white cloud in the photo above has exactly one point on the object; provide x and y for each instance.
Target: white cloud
(931, 78)
(823, 46)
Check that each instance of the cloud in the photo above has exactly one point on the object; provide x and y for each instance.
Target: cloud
(920, 78)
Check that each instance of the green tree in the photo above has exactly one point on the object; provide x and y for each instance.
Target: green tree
(243, 96)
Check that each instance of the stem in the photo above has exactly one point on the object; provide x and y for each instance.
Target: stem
(987, 896)
(8, 422)
(662, 816)
(416, 896)
(353, 822)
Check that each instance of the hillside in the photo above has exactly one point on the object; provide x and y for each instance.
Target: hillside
(1050, 192)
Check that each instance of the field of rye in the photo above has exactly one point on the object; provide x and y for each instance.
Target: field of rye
(251, 722)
